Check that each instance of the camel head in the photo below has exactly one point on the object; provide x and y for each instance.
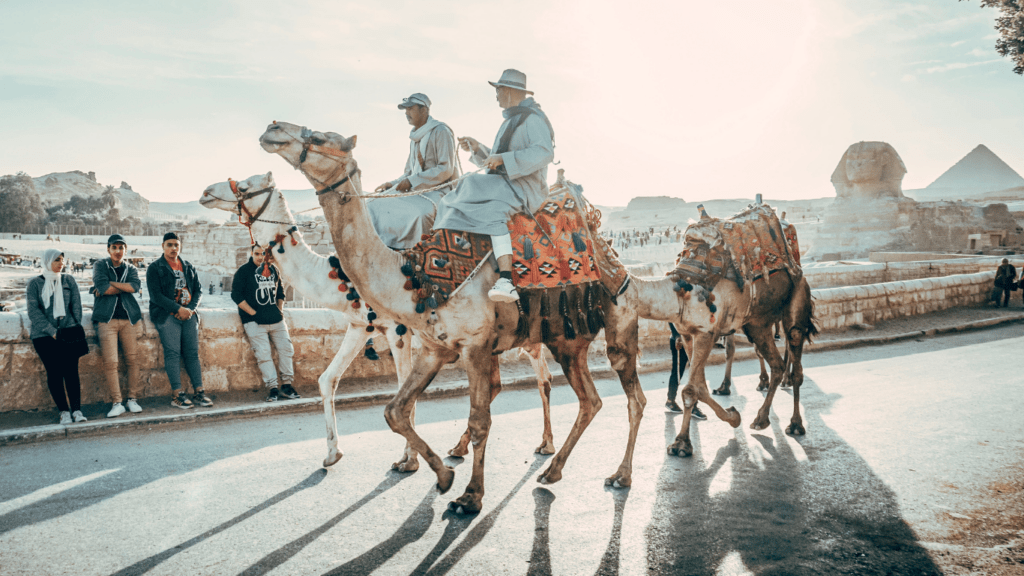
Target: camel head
(323, 157)
(222, 197)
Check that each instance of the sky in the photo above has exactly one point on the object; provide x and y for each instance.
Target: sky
(685, 99)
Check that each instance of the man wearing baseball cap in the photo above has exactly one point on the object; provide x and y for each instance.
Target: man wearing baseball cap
(116, 315)
(516, 180)
(432, 161)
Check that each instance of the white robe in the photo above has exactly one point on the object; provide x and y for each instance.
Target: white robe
(484, 203)
(401, 221)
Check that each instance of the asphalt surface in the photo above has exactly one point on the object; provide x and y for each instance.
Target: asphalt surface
(911, 465)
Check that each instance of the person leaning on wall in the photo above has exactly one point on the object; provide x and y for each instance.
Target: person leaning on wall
(55, 316)
(1005, 282)
(174, 295)
(116, 315)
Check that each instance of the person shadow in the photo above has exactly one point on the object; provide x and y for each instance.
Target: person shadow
(814, 508)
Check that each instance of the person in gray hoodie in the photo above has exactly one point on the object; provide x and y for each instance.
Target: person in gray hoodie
(116, 315)
(55, 305)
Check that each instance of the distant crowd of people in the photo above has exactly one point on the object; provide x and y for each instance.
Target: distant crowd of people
(649, 237)
(175, 292)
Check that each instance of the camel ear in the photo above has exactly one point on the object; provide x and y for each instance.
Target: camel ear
(352, 141)
(269, 177)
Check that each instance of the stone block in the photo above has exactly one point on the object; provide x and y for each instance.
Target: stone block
(10, 327)
(5, 360)
(315, 321)
(222, 352)
(24, 360)
(220, 324)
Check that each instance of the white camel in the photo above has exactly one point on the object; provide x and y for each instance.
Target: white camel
(309, 273)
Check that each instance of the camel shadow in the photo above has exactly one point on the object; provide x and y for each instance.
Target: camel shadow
(780, 513)
(284, 553)
(119, 463)
(155, 560)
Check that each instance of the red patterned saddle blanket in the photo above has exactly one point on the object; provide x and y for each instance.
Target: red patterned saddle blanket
(551, 249)
(743, 248)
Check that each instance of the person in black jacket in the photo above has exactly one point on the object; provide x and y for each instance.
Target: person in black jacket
(257, 290)
(174, 295)
(1006, 275)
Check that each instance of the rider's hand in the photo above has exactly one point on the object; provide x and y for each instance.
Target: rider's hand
(404, 186)
(494, 161)
(469, 144)
(382, 187)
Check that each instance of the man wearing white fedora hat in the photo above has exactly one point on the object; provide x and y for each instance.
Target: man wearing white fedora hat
(401, 222)
(516, 179)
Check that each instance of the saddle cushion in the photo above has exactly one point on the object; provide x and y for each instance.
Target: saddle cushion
(552, 249)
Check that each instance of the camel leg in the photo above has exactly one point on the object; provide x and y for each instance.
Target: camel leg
(696, 389)
(730, 353)
(763, 379)
(403, 366)
(622, 350)
(762, 338)
(462, 448)
(480, 368)
(540, 366)
(799, 327)
(572, 355)
(351, 347)
(398, 412)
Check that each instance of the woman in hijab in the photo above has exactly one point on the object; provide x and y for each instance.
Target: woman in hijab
(54, 305)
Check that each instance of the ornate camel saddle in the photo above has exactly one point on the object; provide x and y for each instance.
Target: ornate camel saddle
(555, 267)
(744, 248)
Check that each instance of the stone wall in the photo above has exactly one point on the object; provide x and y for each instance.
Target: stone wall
(863, 274)
(229, 364)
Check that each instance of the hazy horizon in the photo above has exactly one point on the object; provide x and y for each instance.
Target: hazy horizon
(709, 101)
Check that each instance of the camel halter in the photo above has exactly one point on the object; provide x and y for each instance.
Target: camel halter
(307, 147)
(253, 218)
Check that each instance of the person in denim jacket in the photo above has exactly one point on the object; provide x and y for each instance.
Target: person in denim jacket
(53, 304)
(174, 296)
(116, 315)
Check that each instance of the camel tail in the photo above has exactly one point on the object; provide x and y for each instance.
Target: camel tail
(807, 313)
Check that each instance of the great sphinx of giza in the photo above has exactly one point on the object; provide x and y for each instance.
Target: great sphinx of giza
(869, 170)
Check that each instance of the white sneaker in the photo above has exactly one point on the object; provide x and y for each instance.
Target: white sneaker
(116, 410)
(65, 417)
(133, 406)
(503, 291)
(78, 416)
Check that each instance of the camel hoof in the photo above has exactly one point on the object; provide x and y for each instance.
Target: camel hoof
(760, 424)
(406, 465)
(331, 460)
(734, 417)
(618, 481)
(445, 478)
(465, 504)
(549, 477)
(458, 452)
(681, 448)
(795, 429)
(547, 448)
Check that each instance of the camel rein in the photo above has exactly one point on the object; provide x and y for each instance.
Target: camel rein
(251, 218)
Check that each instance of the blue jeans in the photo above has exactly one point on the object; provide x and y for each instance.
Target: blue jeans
(180, 340)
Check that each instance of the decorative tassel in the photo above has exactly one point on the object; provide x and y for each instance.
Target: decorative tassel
(415, 283)
(577, 243)
(406, 269)
(563, 269)
(343, 287)
(371, 315)
(369, 352)
(401, 329)
(432, 319)
(545, 326)
(570, 334)
(333, 274)
(432, 302)
(528, 249)
(369, 328)
(265, 270)
(408, 285)
(356, 304)
(420, 307)
(334, 262)
(280, 249)
(400, 344)
(350, 296)
(590, 246)
(523, 325)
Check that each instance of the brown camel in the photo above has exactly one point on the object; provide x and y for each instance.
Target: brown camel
(470, 325)
(779, 299)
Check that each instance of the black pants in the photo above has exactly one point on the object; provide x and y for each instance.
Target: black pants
(1006, 297)
(679, 362)
(61, 373)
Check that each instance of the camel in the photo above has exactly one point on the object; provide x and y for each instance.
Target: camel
(470, 325)
(309, 273)
(781, 298)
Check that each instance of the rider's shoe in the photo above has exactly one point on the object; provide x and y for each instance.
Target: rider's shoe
(503, 291)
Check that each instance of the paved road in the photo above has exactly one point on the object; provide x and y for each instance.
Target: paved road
(911, 465)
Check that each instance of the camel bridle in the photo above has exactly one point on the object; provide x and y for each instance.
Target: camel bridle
(305, 138)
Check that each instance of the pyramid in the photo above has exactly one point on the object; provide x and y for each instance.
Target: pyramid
(980, 171)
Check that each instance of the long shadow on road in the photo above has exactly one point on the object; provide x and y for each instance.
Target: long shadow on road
(829, 514)
(153, 561)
